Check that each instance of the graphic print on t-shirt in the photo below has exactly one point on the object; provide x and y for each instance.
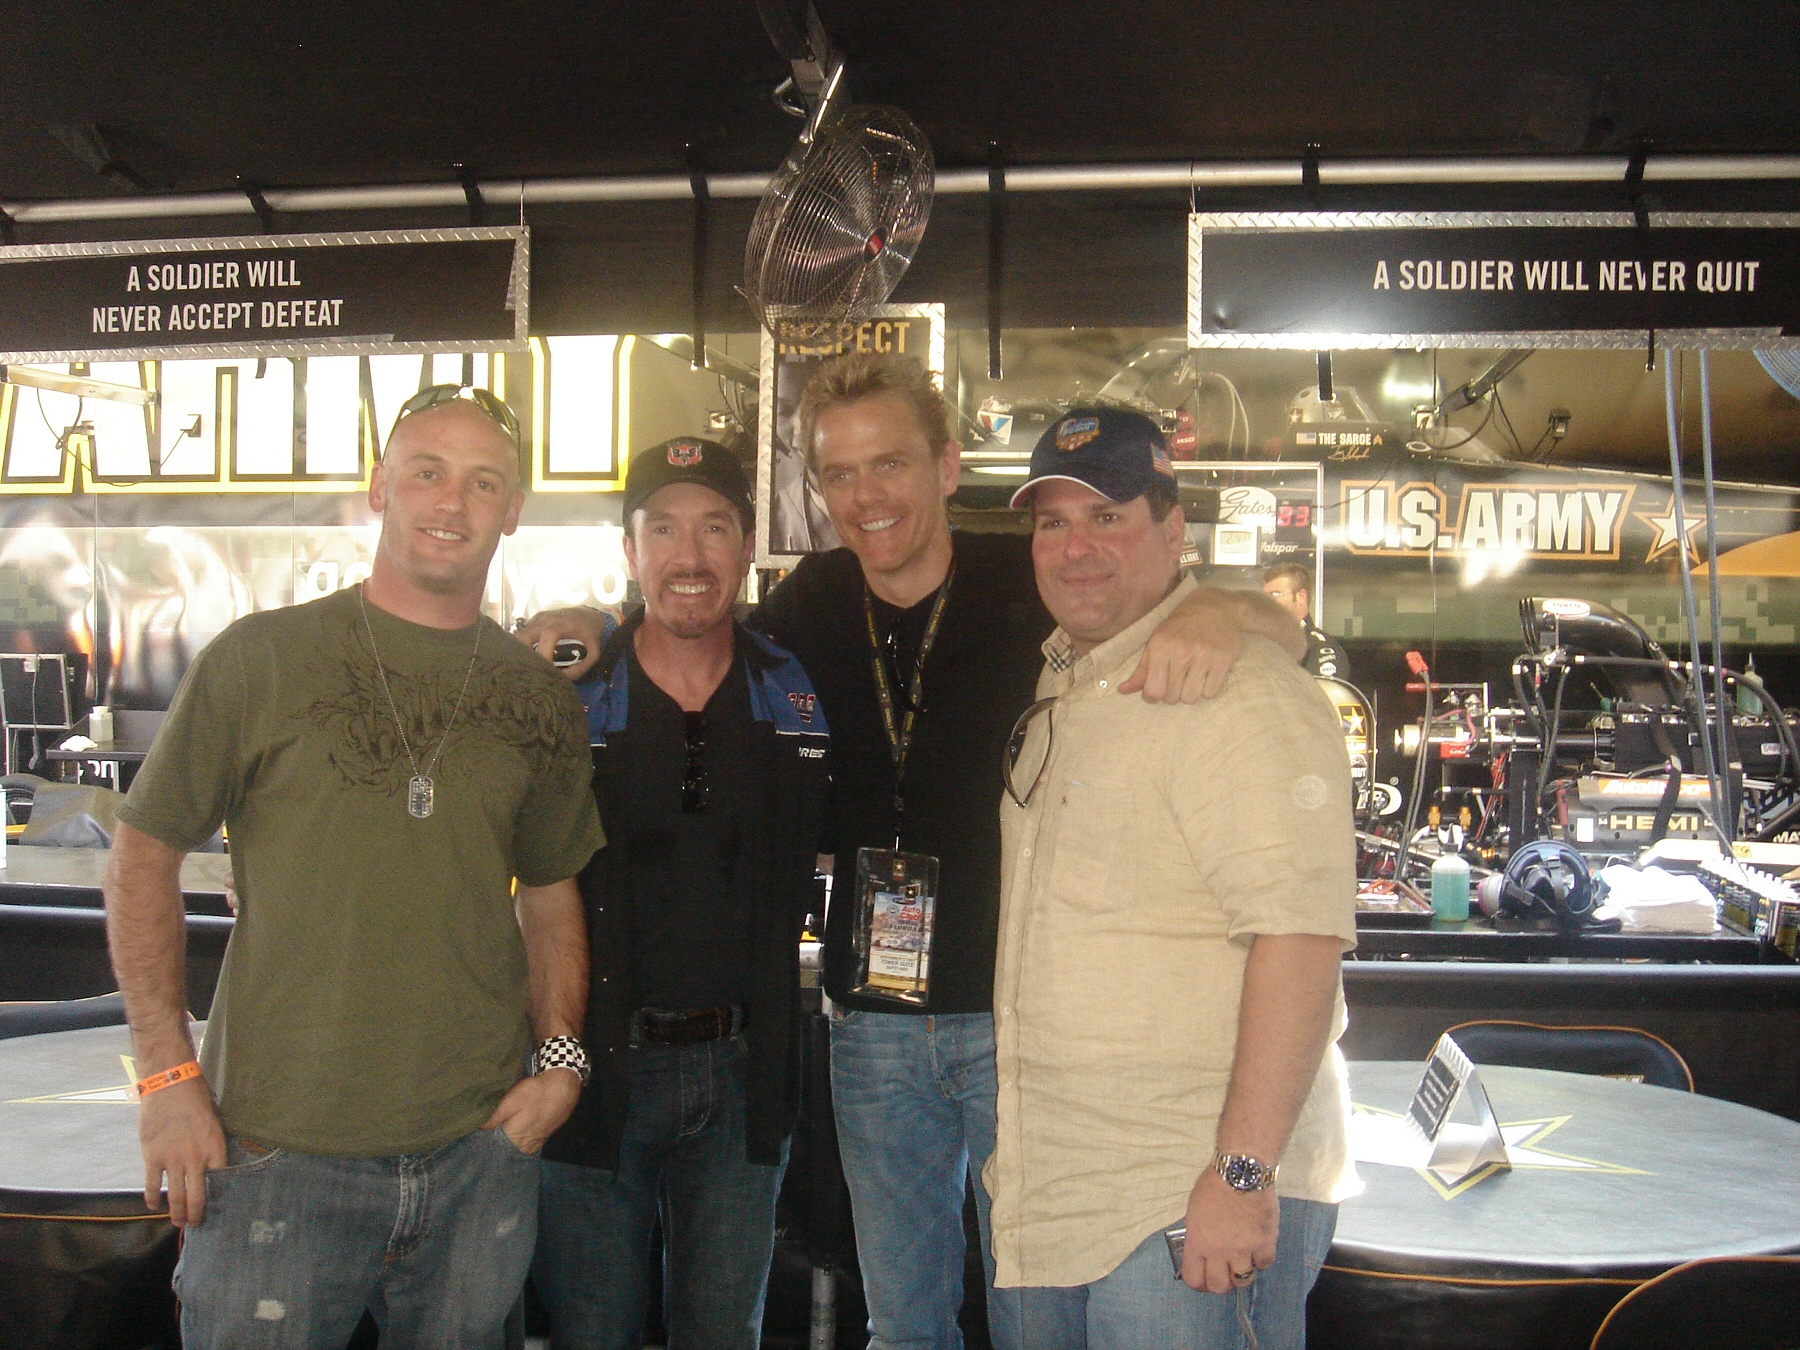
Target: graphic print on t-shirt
(508, 706)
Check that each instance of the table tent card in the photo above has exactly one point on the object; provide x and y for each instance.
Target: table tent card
(1427, 1137)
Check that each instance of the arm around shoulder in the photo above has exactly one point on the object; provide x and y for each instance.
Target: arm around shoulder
(1196, 647)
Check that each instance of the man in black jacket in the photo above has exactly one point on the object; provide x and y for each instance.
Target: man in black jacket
(709, 771)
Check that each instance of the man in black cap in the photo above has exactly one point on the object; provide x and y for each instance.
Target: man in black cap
(709, 771)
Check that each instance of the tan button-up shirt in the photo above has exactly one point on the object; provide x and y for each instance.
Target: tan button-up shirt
(1160, 841)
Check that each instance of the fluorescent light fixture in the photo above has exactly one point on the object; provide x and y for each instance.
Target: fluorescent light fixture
(333, 414)
(1407, 391)
(263, 425)
(121, 440)
(581, 404)
(1004, 470)
(190, 389)
(79, 385)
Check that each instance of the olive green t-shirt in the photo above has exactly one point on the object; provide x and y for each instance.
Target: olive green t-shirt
(373, 999)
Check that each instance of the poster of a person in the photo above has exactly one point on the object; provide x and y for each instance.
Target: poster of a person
(790, 513)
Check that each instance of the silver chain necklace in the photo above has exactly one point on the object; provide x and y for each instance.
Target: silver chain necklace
(419, 788)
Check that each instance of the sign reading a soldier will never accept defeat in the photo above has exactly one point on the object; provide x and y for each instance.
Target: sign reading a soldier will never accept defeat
(1323, 281)
(266, 295)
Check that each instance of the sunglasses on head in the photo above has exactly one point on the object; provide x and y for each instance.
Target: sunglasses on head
(494, 409)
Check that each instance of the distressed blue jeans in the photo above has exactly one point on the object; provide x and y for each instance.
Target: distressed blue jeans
(914, 1098)
(295, 1245)
(1142, 1306)
(682, 1156)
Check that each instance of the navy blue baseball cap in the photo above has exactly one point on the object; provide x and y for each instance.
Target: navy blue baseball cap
(688, 459)
(1116, 452)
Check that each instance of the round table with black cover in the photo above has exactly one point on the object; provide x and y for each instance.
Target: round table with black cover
(82, 1263)
(1536, 1256)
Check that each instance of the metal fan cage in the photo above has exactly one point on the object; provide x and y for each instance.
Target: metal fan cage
(840, 223)
(1783, 365)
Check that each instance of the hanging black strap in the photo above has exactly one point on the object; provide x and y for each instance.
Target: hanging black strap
(900, 728)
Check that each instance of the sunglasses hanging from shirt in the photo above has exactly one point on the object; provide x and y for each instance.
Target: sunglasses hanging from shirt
(894, 905)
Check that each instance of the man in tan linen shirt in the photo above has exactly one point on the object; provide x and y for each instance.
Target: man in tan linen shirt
(1178, 890)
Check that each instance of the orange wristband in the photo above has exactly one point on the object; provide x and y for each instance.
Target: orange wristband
(156, 1082)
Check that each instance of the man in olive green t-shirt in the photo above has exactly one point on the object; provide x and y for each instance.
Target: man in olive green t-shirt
(360, 1130)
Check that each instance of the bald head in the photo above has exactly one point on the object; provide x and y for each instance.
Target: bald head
(459, 425)
(446, 489)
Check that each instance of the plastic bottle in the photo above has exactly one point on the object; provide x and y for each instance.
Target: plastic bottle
(100, 725)
(1748, 702)
(1450, 887)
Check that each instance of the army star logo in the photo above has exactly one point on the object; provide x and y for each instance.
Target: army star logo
(125, 1092)
(1522, 1138)
(1666, 532)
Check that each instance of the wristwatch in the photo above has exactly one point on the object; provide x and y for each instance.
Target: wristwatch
(562, 1052)
(1244, 1173)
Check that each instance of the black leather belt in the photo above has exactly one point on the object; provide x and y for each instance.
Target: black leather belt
(689, 1026)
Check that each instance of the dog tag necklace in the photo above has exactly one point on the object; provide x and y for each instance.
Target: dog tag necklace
(420, 790)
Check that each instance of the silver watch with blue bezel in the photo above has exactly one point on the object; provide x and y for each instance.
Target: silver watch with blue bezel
(1244, 1173)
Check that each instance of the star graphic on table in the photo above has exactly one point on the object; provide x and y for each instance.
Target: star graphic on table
(118, 1093)
(1522, 1140)
(1667, 533)
(123, 1092)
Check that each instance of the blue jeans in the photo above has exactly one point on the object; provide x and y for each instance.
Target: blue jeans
(295, 1245)
(682, 1155)
(1142, 1306)
(914, 1099)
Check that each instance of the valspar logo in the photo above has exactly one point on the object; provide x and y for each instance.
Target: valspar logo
(1581, 520)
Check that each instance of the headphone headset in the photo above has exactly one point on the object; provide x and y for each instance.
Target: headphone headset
(1547, 879)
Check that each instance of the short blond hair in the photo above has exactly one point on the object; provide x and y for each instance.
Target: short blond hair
(859, 375)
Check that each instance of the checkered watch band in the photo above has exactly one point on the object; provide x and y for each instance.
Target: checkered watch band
(562, 1052)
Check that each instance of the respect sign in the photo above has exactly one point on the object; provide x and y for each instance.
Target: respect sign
(294, 295)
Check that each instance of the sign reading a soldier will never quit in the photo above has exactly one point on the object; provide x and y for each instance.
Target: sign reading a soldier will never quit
(266, 295)
(1322, 281)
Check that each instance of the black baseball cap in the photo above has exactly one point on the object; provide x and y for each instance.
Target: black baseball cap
(688, 459)
(1117, 452)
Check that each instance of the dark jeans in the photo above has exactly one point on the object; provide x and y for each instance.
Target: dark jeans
(682, 1156)
(294, 1246)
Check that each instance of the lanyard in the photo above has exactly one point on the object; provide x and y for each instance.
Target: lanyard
(900, 731)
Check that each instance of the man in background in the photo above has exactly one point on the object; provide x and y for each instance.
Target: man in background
(1290, 586)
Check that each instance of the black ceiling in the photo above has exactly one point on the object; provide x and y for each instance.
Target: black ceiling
(202, 95)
